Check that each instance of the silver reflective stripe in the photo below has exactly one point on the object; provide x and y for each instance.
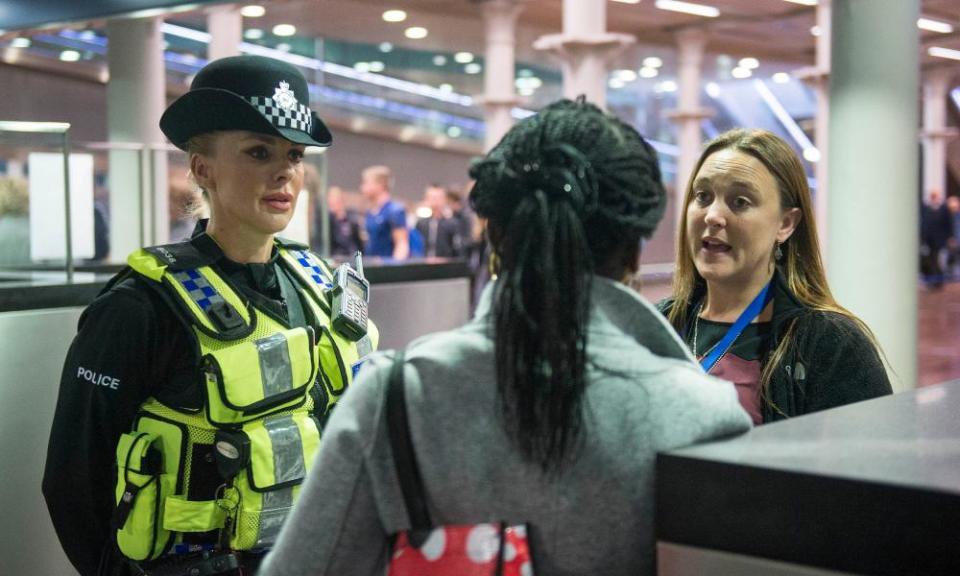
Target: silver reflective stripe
(276, 374)
(287, 447)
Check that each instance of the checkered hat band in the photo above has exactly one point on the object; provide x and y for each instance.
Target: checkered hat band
(200, 291)
(299, 117)
(312, 269)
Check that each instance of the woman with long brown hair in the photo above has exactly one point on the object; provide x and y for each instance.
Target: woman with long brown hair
(750, 295)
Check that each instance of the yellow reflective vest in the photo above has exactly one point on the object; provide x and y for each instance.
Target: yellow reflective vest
(266, 389)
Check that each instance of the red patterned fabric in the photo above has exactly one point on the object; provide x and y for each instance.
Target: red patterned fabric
(469, 550)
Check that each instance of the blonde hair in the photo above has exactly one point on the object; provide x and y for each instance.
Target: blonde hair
(801, 265)
(381, 174)
(204, 144)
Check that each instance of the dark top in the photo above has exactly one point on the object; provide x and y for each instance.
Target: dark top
(936, 226)
(380, 227)
(831, 362)
(741, 363)
(345, 234)
(130, 345)
(441, 237)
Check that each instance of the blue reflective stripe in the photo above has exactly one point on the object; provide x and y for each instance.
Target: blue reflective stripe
(312, 269)
(199, 289)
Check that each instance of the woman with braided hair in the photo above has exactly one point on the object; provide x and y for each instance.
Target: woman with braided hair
(549, 406)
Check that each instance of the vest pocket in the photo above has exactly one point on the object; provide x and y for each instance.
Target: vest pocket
(281, 449)
(252, 379)
(149, 461)
(138, 492)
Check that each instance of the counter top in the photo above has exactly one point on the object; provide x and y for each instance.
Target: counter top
(869, 488)
(37, 289)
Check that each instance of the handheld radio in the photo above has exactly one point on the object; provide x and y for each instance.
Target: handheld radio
(348, 300)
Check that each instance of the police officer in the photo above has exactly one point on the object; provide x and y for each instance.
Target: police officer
(192, 397)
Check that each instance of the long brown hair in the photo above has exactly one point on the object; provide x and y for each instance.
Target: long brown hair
(801, 265)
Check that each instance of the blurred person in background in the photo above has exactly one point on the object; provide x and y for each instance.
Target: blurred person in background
(953, 205)
(440, 232)
(386, 220)
(747, 251)
(936, 233)
(345, 237)
(549, 407)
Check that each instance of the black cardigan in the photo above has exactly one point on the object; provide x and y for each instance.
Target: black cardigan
(830, 363)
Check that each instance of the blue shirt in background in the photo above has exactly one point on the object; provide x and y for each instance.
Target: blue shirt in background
(380, 227)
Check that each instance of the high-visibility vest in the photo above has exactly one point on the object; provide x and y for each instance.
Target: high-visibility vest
(267, 388)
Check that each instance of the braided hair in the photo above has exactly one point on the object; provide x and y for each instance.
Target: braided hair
(565, 191)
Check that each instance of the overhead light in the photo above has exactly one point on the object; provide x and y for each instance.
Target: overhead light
(376, 66)
(528, 83)
(749, 63)
(652, 62)
(284, 47)
(524, 73)
(445, 87)
(781, 77)
(944, 52)
(804, 2)
(415, 32)
(667, 86)
(646, 72)
(934, 26)
(69, 56)
(253, 34)
(625, 75)
(615, 83)
(454, 131)
(361, 66)
(385, 47)
(526, 91)
(253, 11)
(472, 68)
(439, 60)
(463, 57)
(811, 154)
(688, 8)
(815, 31)
(713, 89)
(394, 16)
(284, 30)
(20, 43)
(741, 73)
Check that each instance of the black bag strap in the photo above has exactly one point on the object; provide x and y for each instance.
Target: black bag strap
(404, 458)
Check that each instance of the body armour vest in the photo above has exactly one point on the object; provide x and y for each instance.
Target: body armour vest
(267, 389)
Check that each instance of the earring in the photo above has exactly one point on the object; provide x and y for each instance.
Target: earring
(778, 253)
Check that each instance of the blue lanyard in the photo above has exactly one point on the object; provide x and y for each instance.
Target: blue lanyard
(746, 317)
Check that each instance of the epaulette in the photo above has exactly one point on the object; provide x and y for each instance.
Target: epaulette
(290, 244)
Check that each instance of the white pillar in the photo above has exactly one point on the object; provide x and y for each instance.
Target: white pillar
(225, 25)
(872, 217)
(584, 49)
(689, 114)
(936, 87)
(499, 98)
(136, 98)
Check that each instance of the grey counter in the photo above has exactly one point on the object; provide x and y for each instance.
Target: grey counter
(870, 488)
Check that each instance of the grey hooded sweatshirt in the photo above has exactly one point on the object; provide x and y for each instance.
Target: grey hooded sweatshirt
(645, 394)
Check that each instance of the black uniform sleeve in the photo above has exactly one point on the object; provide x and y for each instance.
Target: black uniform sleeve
(105, 378)
(843, 365)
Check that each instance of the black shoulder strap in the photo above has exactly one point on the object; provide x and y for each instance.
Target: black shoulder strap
(290, 244)
(179, 256)
(404, 458)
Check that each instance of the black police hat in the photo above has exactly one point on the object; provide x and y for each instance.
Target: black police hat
(251, 93)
